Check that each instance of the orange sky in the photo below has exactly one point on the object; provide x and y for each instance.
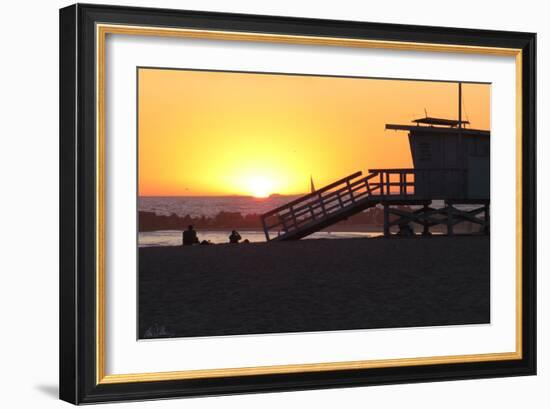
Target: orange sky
(216, 133)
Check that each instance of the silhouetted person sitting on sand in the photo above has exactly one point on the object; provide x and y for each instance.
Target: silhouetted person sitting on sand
(190, 236)
(235, 237)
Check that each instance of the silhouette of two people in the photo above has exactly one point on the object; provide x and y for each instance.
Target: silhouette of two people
(190, 236)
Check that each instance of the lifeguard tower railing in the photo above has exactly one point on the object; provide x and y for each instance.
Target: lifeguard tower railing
(353, 194)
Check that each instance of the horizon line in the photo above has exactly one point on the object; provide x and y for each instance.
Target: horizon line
(226, 195)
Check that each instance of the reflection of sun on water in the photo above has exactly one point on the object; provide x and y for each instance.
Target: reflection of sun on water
(259, 186)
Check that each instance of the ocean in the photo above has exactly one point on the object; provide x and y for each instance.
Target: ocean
(210, 206)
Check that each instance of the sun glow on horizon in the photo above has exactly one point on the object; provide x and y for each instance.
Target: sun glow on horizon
(220, 133)
(259, 186)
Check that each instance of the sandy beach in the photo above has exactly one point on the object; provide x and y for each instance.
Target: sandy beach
(313, 285)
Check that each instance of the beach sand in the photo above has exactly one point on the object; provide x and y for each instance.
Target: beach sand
(313, 285)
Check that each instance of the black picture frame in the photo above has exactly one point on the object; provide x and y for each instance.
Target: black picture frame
(78, 312)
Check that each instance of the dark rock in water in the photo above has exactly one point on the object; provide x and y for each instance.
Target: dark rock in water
(150, 221)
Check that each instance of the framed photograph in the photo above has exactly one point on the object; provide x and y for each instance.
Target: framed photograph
(257, 203)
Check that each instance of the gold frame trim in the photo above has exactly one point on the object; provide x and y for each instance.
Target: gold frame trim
(101, 32)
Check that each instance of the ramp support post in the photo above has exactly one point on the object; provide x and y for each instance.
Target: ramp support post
(386, 220)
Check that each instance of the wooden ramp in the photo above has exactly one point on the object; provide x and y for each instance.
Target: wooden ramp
(388, 187)
(322, 208)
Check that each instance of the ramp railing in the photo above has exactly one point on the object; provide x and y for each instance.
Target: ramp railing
(353, 194)
(316, 206)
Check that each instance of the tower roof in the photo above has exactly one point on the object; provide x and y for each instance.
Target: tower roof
(428, 120)
(415, 130)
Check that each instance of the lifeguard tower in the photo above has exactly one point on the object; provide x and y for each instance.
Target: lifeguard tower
(449, 184)
(451, 162)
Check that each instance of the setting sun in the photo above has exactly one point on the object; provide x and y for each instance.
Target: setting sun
(259, 186)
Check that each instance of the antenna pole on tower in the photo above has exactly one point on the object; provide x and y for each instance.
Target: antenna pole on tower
(460, 153)
(460, 105)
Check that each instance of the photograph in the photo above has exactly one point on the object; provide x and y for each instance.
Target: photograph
(259, 203)
(289, 203)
